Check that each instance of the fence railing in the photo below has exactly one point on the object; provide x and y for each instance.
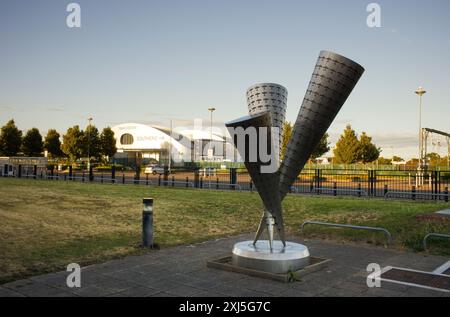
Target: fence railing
(387, 184)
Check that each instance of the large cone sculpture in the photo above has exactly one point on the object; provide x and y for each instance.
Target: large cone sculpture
(332, 81)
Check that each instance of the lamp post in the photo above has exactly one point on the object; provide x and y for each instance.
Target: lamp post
(211, 110)
(420, 92)
(89, 144)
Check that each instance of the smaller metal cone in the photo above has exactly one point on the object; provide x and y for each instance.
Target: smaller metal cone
(265, 183)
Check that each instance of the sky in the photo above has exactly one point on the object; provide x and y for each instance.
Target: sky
(155, 61)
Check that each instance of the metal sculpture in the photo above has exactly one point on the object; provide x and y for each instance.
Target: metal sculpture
(332, 81)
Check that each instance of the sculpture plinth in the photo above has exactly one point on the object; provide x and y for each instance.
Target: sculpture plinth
(332, 81)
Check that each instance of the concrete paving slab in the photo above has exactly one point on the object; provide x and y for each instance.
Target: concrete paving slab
(182, 271)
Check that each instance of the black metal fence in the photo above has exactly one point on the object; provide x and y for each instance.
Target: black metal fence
(432, 185)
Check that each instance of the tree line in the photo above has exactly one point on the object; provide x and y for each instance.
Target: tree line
(75, 144)
(349, 148)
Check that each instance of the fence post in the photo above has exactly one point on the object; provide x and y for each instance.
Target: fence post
(385, 191)
(82, 177)
(173, 181)
(70, 172)
(413, 192)
(196, 178)
(374, 183)
(65, 177)
(159, 180)
(166, 175)
(201, 182)
(217, 182)
(51, 171)
(251, 185)
(335, 189)
(435, 185)
(146, 179)
(123, 178)
(233, 178)
(113, 174)
(91, 173)
(101, 178)
(446, 194)
(187, 182)
(147, 223)
(34, 171)
(317, 181)
(359, 189)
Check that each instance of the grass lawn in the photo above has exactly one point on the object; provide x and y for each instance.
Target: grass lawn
(45, 225)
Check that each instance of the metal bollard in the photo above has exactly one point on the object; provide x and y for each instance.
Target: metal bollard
(147, 223)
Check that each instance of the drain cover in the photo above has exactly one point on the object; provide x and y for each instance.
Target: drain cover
(417, 278)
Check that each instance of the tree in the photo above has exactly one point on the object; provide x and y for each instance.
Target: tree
(384, 161)
(287, 133)
(367, 152)
(72, 144)
(434, 159)
(32, 144)
(347, 147)
(52, 144)
(397, 159)
(10, 139)
(91, 142)
(107, 142)
(321, 148)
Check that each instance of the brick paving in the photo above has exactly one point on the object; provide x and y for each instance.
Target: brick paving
(182, 271)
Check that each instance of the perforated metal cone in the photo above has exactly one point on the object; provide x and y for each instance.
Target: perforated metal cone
(269, 97)
(332, 81)
(265, 183)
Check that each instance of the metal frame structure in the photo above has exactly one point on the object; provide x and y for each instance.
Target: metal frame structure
(425, 134)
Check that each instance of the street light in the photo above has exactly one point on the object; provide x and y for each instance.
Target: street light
(420, 91)
(89, 144)
(211, 131)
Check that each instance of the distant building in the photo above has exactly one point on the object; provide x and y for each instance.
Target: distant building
(139, 144)
(9, 166)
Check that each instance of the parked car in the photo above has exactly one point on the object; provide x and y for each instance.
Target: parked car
(155, 169)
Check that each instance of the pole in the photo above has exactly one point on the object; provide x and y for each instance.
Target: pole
(89, 144)
(147, 223)
(420, 91)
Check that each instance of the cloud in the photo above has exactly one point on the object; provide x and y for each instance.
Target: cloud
(6, 108)
(54, 109)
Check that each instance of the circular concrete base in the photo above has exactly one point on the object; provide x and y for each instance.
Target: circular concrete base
(293, 257)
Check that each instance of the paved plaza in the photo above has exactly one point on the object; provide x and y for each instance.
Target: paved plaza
(182, 271)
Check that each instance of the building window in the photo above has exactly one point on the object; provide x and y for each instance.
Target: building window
(126, 139)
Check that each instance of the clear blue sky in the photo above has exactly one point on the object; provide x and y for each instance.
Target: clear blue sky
(152, 61)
